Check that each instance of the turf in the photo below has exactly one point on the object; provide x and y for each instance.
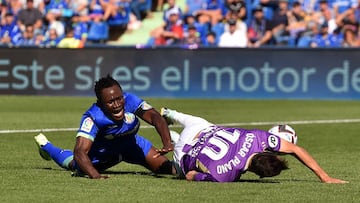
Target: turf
(25, 177)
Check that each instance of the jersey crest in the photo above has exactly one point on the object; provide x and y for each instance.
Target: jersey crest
(129, 118)
(87, 124)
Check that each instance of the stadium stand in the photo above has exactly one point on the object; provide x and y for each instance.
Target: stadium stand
(290, 23)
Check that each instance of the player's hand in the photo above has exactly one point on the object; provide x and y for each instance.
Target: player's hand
(190, 176)
(164, 150)
(334, 180)
(101, 177)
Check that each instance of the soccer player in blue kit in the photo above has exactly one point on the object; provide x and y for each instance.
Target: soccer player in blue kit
(108, 135)
(207, 152)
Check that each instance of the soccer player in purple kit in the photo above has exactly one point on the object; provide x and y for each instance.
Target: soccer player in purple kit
(108, 134)
(207, 152)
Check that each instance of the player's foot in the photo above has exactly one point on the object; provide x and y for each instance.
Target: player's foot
(168, 115)
(41, 141)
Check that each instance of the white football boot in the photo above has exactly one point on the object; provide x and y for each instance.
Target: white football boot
(41, 141)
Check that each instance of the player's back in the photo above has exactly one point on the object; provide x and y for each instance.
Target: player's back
(223, 152)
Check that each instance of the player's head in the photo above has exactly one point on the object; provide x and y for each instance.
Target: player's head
(110, 97)
(267, 164)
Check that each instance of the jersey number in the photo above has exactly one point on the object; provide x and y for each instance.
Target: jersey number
(220, 141)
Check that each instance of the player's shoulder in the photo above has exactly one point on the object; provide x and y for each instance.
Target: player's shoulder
(132, 102)
(131, 98)
(94, 112)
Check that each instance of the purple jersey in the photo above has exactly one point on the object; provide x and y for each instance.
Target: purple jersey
(221, 154)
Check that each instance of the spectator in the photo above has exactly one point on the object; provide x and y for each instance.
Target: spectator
(306, 37)
(80, 25)
(326, 14)
(52, 40)
(297, 20)
(4, 9)
(54, 23)
(95, 9)
(341, 6)
(237, 7)
(69, 41)
(172, 8)
(350, 39)
(259, 31)
(15, 6)
(29, 38)
(269, 7)
(240, 24)
(348, 20)
(39, 39)
(233, 37)
(30, 16)
(210, 40)
(324, 39)
(138, 7)
(10, 33)
(193, 6)
(171, 33)
(213, 11)
(202, 29)
(38, 4)
(80, 7)
(56, 7)
(280, 24)
(192, 37)
(110, 8)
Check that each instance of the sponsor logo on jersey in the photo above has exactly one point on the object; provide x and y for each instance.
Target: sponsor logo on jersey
(273, 141)
(129, 118)
(87, 125)
(145, 106)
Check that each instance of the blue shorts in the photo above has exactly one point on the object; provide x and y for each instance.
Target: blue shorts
(107, 153)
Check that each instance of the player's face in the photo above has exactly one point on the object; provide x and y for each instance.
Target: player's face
(112, 99)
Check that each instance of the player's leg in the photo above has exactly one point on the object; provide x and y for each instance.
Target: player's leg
(192, 126)
(48, 151)
(186, 120)
(139, 150)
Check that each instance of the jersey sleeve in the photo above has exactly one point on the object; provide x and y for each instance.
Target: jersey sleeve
(87, 129)
(272, 142)
(204, 177)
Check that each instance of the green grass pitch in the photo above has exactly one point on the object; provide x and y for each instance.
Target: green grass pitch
(25, 177)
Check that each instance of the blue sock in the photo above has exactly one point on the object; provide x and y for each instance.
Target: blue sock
(60, 156)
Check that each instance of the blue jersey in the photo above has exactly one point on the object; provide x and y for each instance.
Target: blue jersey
(96, 125)
(115, 141)
(13, 31)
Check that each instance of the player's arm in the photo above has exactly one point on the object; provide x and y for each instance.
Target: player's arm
(199, 176)
(154, 118)
(304, 157)
(81, 150)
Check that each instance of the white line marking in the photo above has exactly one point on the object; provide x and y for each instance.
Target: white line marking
(222, 124)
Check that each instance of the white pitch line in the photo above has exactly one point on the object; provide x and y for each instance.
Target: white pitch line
(221, 124)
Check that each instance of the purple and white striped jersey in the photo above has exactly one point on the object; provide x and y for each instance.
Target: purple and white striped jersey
(220, 154)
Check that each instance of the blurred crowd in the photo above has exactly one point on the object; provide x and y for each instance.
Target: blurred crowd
(66, 23)
(208, 23)
(260, 23)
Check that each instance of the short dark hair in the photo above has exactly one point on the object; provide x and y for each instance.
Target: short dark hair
(267, 164)
(102, 83)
